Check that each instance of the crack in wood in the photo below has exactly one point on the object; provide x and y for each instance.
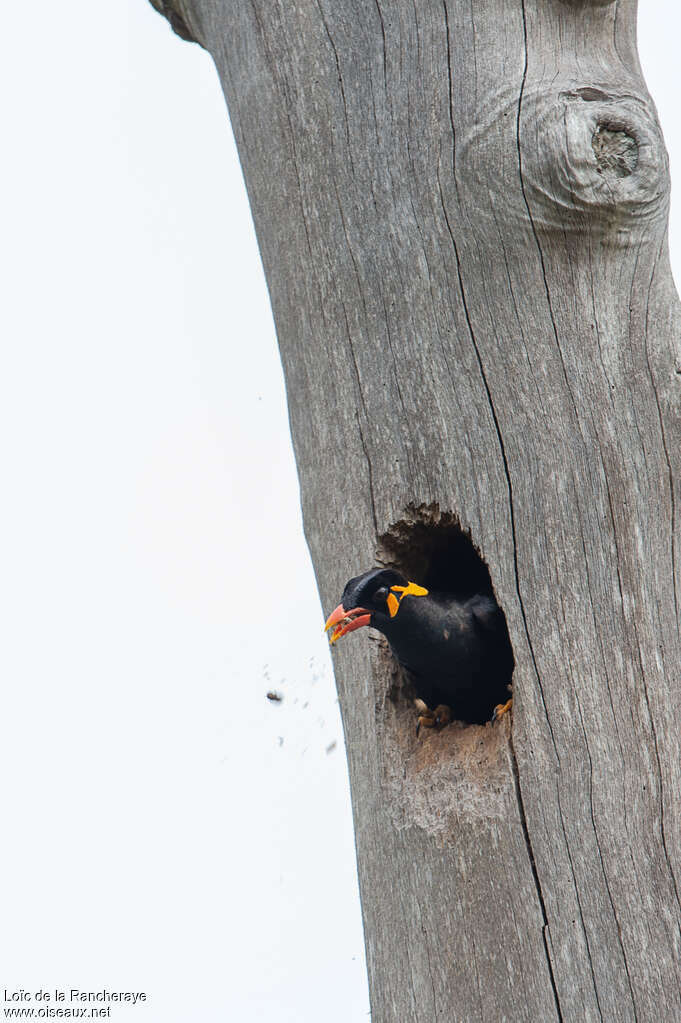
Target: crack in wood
(385, 54)
(600, 858)
(450, 84)
(670, 474)
(535, 874)
(340, 82)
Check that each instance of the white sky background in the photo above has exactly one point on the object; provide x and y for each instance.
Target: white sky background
(156, 835)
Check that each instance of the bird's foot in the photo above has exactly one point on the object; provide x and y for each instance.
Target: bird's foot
(501, 709)
(428, 718)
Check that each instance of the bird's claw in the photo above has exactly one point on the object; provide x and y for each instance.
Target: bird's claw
(501, 709)
(428, 718)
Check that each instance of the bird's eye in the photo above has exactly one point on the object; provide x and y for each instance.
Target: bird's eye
(380, 596)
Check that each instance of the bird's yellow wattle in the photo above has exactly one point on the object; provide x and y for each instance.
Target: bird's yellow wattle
(410, 590)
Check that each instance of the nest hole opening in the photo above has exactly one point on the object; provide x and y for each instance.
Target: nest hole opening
(430, 548)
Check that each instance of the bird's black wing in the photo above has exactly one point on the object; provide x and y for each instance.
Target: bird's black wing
(485, 613)
(490, 626)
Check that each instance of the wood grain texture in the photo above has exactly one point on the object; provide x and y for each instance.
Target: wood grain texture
(462, 209)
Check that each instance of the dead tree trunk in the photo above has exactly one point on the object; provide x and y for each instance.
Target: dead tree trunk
(462, 210)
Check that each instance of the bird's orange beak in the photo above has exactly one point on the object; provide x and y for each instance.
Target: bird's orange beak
(346, 621)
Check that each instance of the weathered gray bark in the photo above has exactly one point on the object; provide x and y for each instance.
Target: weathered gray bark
(462, 208)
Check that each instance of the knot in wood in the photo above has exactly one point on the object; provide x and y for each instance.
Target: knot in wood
(593, 152)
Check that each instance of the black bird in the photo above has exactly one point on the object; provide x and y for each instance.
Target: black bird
(456, 653)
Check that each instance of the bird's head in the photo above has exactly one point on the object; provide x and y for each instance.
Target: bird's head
(373, 598)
